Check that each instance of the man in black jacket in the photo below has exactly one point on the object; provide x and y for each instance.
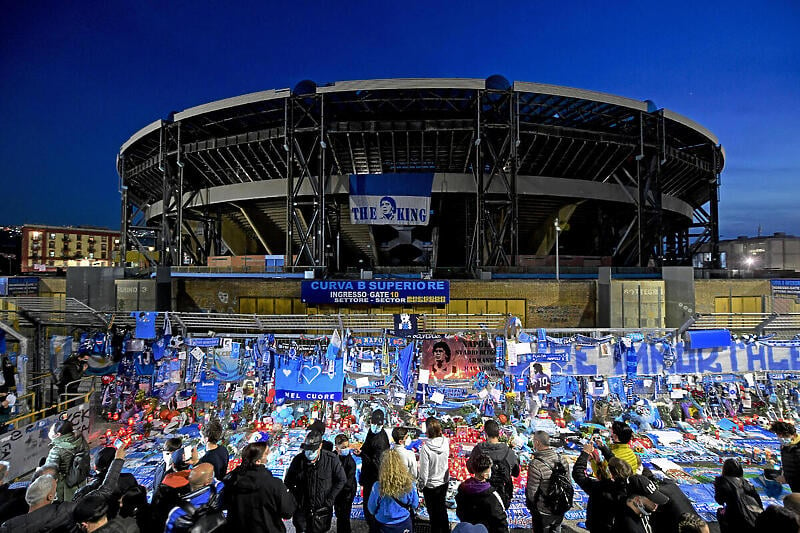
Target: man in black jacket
(375, 444)
(790, 453)
(343, 505)
(257, 502)
(47, 515)
(315, 477)
(71, 372)
(605, 496)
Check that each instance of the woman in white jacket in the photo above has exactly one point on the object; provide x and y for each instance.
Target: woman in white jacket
(434, 475)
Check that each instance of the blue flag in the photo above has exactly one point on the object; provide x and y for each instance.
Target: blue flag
(404, 364)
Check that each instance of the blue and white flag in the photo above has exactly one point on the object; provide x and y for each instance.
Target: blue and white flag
(390, 199)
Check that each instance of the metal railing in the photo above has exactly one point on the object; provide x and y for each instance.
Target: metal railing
(29, 418)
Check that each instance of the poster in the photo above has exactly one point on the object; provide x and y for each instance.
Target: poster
(299, 382)
(457, 358)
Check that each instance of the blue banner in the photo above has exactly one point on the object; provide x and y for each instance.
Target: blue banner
(391, 199)
(308, 382)
(786, 287)
(203, 342)
(421, 292)
(19, 286)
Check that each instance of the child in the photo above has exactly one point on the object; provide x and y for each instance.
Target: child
(343, 505)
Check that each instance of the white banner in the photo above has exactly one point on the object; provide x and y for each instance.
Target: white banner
(23, 448)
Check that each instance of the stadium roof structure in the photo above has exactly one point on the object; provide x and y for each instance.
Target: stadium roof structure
(508, 159)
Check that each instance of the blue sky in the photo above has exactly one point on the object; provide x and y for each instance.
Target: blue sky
(77, 80)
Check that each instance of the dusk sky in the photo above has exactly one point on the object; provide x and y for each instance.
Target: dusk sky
(79, 78)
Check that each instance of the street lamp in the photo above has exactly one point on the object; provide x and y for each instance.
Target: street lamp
(558, 230)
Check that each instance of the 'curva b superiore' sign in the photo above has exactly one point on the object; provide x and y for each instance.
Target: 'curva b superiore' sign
(419, 292)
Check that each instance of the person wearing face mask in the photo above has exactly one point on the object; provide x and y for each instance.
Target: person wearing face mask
(478, 502)
(401, 441)
(505, 464)
(256, 501)
(790, 453)
(643, 498)
(343, 504)
(48, 514)
(374, 445)
(315, 477)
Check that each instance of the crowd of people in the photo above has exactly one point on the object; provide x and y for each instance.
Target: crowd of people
(194, 493)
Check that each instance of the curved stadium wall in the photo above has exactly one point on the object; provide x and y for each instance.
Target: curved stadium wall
(269, 172)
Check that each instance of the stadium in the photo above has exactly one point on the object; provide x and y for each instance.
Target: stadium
(514, 166)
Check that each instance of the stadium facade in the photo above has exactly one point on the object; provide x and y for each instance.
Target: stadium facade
(271, 173)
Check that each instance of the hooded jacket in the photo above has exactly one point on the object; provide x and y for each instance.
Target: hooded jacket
(604, 497)
(57, 517)
(433, 457)
(257, 501)
(477, 502)
(498, 452)
(790, 461)
(64, 448)
(539, 471)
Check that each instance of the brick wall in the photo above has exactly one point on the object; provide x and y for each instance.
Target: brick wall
(548, 304)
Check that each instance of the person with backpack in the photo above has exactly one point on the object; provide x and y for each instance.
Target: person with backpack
(434, 475)
(102, 462)
(315, 477)
(201, 509)
(505, 464)
(478, 502)
(741, 503)
(371, 451)
(257, 501)
(548, 492)
(48, 514)
(393, 498)
(605, 495)
(70, 456)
